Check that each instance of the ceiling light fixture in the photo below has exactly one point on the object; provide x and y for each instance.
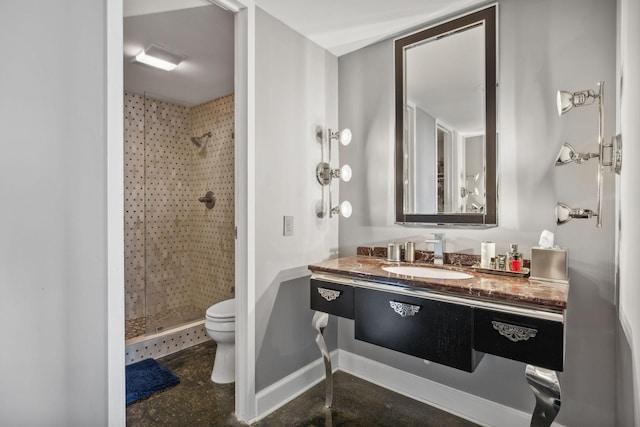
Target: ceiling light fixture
(159, 57)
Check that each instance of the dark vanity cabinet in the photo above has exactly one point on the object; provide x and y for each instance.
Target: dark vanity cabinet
(455, 332)
(454, 329)
(535, 341)
(433, 330)
(332, 298)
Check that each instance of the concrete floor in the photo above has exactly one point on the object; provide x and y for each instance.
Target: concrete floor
(197, 401)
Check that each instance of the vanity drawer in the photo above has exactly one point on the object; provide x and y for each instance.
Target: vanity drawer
(432, 330)
(332, 298)
(535, 341)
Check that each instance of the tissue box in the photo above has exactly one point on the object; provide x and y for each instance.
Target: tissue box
(550, 264)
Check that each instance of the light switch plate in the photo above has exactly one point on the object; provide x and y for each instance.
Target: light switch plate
(288, 226)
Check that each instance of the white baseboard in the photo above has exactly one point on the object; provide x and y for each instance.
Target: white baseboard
(291, 386)
(464, 405)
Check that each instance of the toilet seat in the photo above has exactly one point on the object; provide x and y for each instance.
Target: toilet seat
(223, 310)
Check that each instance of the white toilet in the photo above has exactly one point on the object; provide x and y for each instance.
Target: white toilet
(221, 326)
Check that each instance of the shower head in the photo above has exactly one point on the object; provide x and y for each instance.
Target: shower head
(198, 140)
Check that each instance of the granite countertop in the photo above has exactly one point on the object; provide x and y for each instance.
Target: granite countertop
(514, 290)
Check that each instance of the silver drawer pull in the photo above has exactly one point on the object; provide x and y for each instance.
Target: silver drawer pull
(514, 333)
(403, 309)
(328, 294)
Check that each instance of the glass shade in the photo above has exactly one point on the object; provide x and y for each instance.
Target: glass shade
(346, 173)
(564, 101)
(343, 209)
(344, 136)
(563, 213)
(566, 155)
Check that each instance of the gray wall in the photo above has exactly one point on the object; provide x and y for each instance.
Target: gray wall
(628, 367)
(296, 91)
(53, 264)
(539, 53)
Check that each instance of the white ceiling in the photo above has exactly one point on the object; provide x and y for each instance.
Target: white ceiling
(342, 26)
(204, 33)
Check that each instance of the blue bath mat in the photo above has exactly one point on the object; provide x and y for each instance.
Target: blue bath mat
(147, 377)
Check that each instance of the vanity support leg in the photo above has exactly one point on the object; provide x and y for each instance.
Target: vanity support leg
(319, 322)
(546, 389)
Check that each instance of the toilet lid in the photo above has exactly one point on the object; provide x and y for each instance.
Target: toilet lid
(222, 309)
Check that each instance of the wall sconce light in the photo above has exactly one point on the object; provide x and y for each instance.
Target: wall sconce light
(345, 209)
(325, 173)
(568, 155)
(344, 136)
(565, 102)
(565, 213)
(464, 192)
(476, 207)
(159, 57)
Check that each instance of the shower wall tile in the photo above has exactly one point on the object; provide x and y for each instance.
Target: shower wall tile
(212, 231)
(178, 254)
(168, 163)
(134, 211)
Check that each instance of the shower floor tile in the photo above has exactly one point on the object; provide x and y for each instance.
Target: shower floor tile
(197, 401)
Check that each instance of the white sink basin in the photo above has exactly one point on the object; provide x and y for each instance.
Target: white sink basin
(426, 272)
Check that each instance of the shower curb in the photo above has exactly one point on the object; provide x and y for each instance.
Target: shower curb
(165, 342)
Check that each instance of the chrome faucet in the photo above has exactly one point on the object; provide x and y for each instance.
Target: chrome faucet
(438, 248)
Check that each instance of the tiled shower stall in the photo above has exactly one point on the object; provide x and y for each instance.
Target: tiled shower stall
(179, 255)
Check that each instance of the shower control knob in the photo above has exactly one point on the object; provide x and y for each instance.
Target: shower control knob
(209, 200)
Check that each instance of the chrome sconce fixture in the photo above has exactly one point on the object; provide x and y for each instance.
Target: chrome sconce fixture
(568, 155)
(345, 209)
(464, 192)
(565, 213)
(325, 173)
(466, 189)
(566, 101)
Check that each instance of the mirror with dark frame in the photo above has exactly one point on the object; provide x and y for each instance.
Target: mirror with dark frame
(446, 134)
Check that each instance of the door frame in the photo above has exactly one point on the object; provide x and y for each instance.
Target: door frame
(244, 77)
